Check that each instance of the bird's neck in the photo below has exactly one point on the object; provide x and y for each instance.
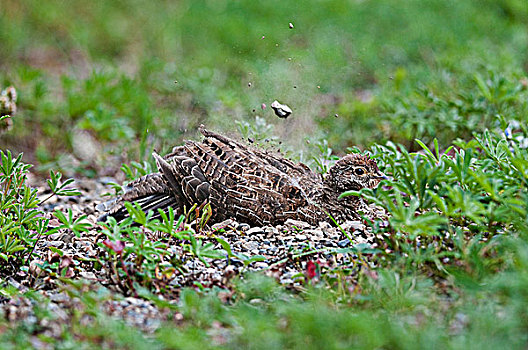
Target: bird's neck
(331, 195)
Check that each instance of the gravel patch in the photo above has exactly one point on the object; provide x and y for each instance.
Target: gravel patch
(284, 252)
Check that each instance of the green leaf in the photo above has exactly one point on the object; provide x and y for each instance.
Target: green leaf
(428, 152)
(225, 245)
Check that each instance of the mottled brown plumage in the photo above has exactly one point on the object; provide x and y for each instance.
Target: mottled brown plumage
(248, 184)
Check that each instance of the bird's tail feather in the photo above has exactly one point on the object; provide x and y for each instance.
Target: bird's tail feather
(149, 203)
(151, 192)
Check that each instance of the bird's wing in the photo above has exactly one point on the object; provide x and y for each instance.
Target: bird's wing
(242, 184)
(185, 177)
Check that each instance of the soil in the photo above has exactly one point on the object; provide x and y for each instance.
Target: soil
(286, 252)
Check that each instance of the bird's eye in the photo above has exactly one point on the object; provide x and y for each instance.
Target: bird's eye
(359, 171)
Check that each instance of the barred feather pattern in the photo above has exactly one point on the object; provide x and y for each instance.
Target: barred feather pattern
(251, 185)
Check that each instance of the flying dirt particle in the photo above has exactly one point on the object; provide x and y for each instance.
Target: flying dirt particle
(281, 111)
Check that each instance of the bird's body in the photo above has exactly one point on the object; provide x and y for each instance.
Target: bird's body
(248, 184)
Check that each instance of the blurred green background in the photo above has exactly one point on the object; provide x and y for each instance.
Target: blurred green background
(105, 82)
(101, 82)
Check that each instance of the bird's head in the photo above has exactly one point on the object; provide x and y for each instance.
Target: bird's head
(354, 172)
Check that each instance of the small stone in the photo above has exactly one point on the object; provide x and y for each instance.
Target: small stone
(132, 300)
(243, 227)
(270, 229)
(281, 111)
(324, 225)
(314, 233)
(353, 225)
(261, 265)
(254, 230)
(56, 244)
(222, 225)
(344, 243)
(87, 275)
(297, 223)
(89, 210)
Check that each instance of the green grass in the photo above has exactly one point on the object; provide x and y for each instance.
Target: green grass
(451, 266)
(112, 70)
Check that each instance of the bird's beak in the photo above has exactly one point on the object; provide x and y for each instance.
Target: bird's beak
(376, 179)
(380, 176)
